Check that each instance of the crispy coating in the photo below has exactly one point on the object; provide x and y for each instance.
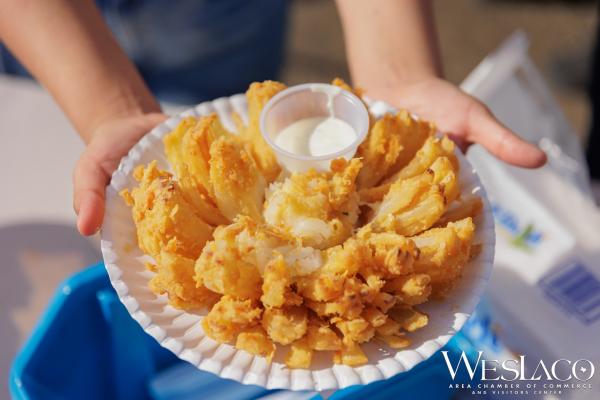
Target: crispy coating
(342, 185)
(432, 149)
(409, 318)
(384, 301)
(387, 255)
(380, 150)
(319, 208)
(229, 263)
(348, 304)
(329, 281)
(238, 186)
(411, 289)
(350, 354)
(255, 341)
(373, 195)
(164, 219)
(321, 337)
(413, 205)
(199, 199)
(276, 287)
(389, 328)
(276, 282)
(470, 206)
(188, 150)
(258, 94)
(285, 325)
(175, 278)
(414, 133)
(188, 146)
(233, 262)
(374, 316)
(357, 330)
(299, 355)
(228, 317)
(444, 253)
(398, 341)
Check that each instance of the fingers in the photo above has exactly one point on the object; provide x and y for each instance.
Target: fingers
(89, 182)
(93, 170)
(153, 119)
(486, 130)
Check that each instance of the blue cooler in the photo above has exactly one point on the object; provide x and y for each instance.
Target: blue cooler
(86, 346)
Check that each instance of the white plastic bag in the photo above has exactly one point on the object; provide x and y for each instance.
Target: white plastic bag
(544, 294)
(510, 84)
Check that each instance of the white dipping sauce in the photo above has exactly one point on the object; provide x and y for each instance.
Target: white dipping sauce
(316, 136)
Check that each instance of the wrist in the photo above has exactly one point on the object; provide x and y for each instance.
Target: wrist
(122, 102)
(393, 74)
(392, 87)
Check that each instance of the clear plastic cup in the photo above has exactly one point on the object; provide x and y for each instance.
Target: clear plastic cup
(311, 100)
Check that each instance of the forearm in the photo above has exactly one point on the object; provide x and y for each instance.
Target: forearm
(389, 42)
(66, 45)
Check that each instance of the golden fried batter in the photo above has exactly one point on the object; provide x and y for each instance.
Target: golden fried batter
(432, 149)
(470, 206)
(444, 253)
(277, 279)
(409, 318)
(164, 219)
(388, 254)
(397, 341)
(285, 325)
(321, 337)
(175, 277)
(255, 341)
(226, 266)
(228, 317)
(188, 146)
(350, 354)
(380, 150)
(327, 283)
(414, 133)
(299, 355)
(238, 186)
(413, 205)
(319, 208)
(257, 96)
(357, 330)
(188, 150)
(411, 289)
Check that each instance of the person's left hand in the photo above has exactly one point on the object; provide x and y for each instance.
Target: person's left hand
(464, 118)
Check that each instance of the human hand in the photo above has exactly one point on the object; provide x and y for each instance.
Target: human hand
(462, 117)
(108, 143)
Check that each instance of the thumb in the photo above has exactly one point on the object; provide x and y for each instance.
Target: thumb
(89, 182)
(486, 130)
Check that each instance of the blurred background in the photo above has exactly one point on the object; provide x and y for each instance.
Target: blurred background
(561, 33)
(39, 246)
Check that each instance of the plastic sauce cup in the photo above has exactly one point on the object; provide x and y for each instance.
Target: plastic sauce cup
(306, 101)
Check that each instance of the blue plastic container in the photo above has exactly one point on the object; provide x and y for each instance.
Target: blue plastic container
(86, 346)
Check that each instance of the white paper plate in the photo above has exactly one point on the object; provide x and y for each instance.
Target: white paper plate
(181, 332)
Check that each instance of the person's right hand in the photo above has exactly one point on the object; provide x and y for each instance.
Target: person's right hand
(109, 142)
